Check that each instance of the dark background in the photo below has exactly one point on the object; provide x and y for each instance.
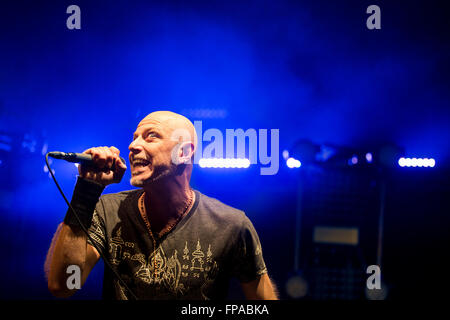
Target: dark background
(308, 68)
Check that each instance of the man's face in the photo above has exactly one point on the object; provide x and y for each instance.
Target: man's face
(150, 152)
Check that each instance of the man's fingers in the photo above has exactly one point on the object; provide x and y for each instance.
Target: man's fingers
(118, 162)
(114, 150)
(108, 157)
(121, 164)
(103, 158)
(88, 151)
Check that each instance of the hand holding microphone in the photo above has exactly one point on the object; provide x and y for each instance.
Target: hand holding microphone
(101, 164)
(107, 166)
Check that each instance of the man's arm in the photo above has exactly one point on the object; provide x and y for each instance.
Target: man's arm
(68, 247)
(260, 289)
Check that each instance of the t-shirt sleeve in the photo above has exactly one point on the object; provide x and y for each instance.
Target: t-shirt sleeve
(248, 263)
(97, 230)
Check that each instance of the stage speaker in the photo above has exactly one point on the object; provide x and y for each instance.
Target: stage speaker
(338, 229)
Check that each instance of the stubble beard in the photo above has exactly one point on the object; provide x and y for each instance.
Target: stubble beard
(163, 173)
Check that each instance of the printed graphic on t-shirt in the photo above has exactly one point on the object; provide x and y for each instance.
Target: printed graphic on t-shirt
(166, 271)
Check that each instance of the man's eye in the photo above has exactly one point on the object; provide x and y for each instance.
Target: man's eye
(151, 135)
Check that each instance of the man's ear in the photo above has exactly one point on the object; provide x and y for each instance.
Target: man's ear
(183, 152)
(187, 151)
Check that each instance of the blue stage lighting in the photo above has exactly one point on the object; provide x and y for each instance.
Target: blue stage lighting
(416, 162)
(369, 157)
(205, 113)
(293, 163)
(224, 163)
(5, 143)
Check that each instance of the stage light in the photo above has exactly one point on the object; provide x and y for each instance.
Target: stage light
(224, 163)
(44, 149)
(285, 154)
(46, 169)
(29, 143)
(353, 160)
(369, 157)
(325, 153)
(431, 162)
(416, 162)
(293, 163)
(206, 113)
(5, 143)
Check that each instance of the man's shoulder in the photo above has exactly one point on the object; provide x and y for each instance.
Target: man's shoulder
(218, 210)
(121, 196)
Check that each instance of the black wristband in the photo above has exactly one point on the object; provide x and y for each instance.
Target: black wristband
(84, 199)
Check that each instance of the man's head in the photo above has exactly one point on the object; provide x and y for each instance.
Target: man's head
(163, 146)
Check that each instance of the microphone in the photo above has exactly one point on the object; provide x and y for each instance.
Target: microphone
(82, 158)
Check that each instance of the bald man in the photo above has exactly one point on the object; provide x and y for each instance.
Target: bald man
(164, 239)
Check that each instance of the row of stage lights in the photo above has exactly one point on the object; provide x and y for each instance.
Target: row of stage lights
(293, 163)
(224, 163)
(417, 162)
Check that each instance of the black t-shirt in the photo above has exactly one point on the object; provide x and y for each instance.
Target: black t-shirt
(195, 260)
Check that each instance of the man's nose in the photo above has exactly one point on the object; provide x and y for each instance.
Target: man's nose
(135, 146)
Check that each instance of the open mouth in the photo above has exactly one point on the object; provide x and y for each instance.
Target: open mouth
(140, 163)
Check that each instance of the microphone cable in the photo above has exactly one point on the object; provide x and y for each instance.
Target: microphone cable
(105, 260)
